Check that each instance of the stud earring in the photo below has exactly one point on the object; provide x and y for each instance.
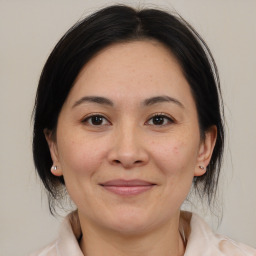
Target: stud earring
(201, 167)
(56, 171)
(54, 168)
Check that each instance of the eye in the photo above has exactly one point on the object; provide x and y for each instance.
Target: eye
(96, 120)
(160, 120)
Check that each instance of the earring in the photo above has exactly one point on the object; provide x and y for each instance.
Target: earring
(201, 167)
(54, 168)
(56, 171)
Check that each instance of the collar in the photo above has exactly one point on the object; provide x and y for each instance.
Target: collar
(200, 239)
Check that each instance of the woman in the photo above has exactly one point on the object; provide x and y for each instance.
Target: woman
(127, 117)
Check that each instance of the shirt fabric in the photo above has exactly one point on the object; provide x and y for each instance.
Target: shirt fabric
(200, 240)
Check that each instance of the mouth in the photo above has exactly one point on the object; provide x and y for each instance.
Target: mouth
(127, 187)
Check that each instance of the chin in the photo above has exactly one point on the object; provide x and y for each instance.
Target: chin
(130, 227)
(131, 222)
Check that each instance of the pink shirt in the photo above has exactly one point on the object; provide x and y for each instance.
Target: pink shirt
(201, 241)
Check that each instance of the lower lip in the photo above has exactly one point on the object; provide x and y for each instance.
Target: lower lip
(128, 190)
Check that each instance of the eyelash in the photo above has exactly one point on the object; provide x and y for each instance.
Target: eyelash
(87, 118)
(169, 119)
(165, 117)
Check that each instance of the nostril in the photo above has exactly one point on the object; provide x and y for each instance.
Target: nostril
(120, 162)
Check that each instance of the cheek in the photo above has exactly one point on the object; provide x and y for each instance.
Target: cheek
(176, 157)
(80, 157)
(176, 160)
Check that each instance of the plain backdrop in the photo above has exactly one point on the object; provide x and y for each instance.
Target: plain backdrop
(28, 32)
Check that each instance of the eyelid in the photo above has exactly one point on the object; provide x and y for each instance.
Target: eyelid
(165, 115)
(86, 118)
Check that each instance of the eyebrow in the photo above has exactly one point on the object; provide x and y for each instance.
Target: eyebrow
(94, 99)
(146, 102)
(160, 99)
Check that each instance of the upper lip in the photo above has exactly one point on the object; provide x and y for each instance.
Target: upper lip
(127, 183)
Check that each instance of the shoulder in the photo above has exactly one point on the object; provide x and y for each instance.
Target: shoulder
(49, 250)
(67, 241)
(203, 241)
(230, 247)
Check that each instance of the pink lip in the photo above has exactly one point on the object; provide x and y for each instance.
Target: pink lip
(127, 187)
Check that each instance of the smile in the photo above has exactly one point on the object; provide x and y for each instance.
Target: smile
(127, 187)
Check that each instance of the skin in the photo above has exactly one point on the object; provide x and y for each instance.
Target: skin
(128, 143)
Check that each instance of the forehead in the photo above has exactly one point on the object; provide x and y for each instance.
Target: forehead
(138, 69)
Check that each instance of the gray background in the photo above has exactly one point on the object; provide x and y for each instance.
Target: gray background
(28, 32)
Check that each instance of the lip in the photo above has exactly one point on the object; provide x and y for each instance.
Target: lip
(127, 187)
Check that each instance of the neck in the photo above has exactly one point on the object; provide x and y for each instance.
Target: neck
(165, 240)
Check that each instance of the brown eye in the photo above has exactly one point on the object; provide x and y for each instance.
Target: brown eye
(96, 120)
(160, 120)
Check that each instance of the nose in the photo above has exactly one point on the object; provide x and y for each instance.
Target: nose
(128, 149)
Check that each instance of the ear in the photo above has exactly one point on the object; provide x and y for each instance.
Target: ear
(56, 168)
(205, 150)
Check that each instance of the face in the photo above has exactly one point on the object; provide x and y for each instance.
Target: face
(128, 141)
